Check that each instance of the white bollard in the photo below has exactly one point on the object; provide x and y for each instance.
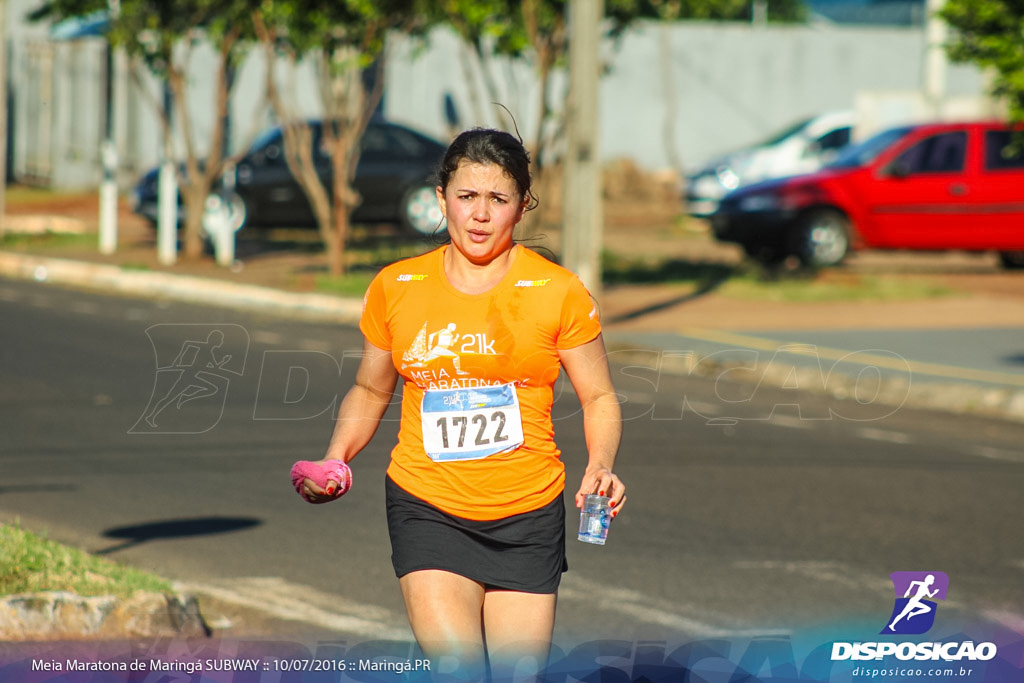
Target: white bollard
(167, 215)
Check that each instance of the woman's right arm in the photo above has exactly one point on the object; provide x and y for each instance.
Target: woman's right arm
(364, 404)
(361, 410)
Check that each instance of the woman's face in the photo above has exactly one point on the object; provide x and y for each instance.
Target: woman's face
(483, 206)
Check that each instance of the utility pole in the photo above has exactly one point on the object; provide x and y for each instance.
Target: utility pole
(583, 217)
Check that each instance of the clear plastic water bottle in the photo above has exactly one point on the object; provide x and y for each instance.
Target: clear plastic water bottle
(595, 517)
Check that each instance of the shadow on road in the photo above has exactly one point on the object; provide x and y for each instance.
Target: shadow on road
(175, 528)
(707, 277)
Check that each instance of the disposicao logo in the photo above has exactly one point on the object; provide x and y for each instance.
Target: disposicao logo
(913, 613)
(916, 592)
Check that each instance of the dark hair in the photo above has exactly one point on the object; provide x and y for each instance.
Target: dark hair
(489, 146)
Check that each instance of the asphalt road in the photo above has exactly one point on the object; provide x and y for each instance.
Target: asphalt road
(751, 509)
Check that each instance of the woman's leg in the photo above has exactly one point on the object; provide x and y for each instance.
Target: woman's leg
(445, 614)
(517, 629)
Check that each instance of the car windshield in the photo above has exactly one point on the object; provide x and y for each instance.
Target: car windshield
(865, 152)
(783, 134)
(267, 137)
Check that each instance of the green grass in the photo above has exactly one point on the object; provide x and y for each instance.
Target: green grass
(30, 564)
(26, 194)
(53, 240)
(824, 288)
(750, 282)
(352, 284)
(620, 270)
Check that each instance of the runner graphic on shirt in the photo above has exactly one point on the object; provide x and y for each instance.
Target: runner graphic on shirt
(439, 344)
(445, 338)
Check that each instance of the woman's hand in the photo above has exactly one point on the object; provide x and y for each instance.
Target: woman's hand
(316, 494)
(603, 482)
(321, 481)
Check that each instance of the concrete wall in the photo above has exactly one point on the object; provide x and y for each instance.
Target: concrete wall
(734, 84)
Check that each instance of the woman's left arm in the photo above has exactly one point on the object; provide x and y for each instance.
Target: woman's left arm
(587, 368)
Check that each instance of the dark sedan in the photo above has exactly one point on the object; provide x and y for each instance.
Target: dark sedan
(394, 177)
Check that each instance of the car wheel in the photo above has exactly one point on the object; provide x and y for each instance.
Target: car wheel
(822, 238)
(1012, 260)
(230, 207)
(420, 212)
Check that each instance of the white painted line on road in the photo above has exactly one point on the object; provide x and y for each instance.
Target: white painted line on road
(264, 337)
(790, 422)
(85, 308)
(859, 357)
(644, 608)
(830, 571)
(996, 454)
(281, 599)
(702, 408)
(315, 345)
(637, 396)
(884, 435)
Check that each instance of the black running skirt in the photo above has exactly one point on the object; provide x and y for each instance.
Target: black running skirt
(524, 552)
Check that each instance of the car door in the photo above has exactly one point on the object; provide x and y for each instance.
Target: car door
(272, 195)
(391, 160)
(922, 198)
(999, 193)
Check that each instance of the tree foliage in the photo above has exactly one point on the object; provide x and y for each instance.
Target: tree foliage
(623, 12)
(343, 39)
(161, 36)
(990, 33)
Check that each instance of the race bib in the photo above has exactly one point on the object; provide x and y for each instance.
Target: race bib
(469, 424)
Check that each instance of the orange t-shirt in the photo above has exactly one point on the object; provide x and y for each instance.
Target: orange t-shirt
(473, 366)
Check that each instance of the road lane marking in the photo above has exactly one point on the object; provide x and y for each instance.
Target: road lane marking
(884, 435)
(996, 454)
(858, 357)
(828, 571)
(85, 308)
(790, 422)
(644, 608)
(293, 602)
(264, 337)
(831, 571)
(315, 345)
(702, 408)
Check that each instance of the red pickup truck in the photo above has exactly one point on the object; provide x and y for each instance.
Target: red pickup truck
(938, 186)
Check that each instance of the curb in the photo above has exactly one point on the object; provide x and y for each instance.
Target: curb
(187, 288)
(61, 614)
(998, 401)
(896, 391)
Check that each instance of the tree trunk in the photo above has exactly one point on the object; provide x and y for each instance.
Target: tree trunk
(194, 197)
(195, 187)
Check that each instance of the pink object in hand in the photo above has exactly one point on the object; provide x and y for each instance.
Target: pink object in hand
(320, 473)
